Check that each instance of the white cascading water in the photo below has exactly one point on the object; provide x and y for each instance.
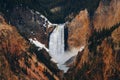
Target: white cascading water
(56, 48)
(56, 44)
(57, 40)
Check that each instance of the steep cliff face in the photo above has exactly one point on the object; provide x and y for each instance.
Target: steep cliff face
(31, 24)
(79, 30)
(95, 35)
(100, 58)
(100, 63)
(107, 14)
(17, 61)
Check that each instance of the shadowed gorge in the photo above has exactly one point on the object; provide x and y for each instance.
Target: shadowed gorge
(59, 39)
(57, 11)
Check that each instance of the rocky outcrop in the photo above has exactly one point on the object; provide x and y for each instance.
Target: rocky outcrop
(79, 30)
(98, 33)
(107, 14)
(99, 63)
(17, 61)
(31, 24)
(100, 58)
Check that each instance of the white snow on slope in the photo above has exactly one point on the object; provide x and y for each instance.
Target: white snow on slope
(46, 20)
(56, 44)
(42, 16)
(38, 44)
(82, 48)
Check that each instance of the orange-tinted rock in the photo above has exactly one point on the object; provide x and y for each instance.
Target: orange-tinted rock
(103, 61)
(16, 61)
(107, 14)
(79, 30)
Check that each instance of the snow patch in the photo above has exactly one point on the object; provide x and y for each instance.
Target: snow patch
(56, 44)
(38, 44)
(32, 11)
(37, 12)
(42, 16)
(81, 48)
(46, 20)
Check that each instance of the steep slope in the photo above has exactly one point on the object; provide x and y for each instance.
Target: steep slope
(100, 58)
(95, 35)
(107, 14)
(79, 30)
(18, 61)
(31, 24)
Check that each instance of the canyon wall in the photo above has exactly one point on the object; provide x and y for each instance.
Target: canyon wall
(100, 58)
(18, 59)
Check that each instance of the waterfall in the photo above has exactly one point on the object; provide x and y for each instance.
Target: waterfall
(56, 46)
(57, 40)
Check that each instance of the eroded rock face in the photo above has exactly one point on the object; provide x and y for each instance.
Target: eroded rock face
(100, 58)
(18, 60)
(79, 30)
(101, 63)
(116, 35)
(31, 24)
(107, 14)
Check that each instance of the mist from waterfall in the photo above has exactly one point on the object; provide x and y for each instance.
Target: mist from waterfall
(56, 48)
(57, 43)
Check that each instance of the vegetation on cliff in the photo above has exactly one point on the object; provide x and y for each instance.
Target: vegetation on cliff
(20, 60)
